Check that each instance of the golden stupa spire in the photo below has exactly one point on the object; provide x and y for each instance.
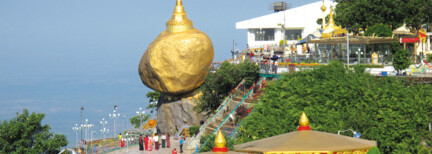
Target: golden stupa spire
(323, 7)
(304, 121)
(220, 143)
(179, 21)
(220, 140)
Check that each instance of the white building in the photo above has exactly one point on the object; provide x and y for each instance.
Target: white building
(299, 22)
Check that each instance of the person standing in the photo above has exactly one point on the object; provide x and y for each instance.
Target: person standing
(150, 143)
(146, 140)
(176, 133)
(163, 137)
(181, 144)
(168, 140)
(141, 148)
(156, 141)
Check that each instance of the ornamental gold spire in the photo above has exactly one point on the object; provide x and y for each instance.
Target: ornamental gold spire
(304, 121)
(323, 7)
(179, 21)
(220, 140)
(331, 23)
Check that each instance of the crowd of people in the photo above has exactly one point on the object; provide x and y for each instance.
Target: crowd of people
(157, 141)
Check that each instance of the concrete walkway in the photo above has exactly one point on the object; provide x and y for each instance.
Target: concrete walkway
(135, 149)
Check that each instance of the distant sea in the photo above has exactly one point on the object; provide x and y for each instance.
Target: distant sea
(59, 97)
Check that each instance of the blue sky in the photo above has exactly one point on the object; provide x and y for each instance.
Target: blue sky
(56, 55)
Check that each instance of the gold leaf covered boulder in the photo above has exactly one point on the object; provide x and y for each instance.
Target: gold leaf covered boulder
(178, 60)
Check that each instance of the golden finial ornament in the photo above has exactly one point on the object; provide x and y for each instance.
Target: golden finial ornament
(220, 143)
(304, 121)
(177, 61)
(323, 7)
(179, 21)
(331, 23)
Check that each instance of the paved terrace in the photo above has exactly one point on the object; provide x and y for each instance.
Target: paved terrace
(135, 149)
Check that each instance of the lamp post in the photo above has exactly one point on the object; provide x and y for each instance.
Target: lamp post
(356, 134)
(115, 115)
(81, 109)
(348, 50)
(76, 129)
(140, 113)
(91, 135)
(104, 130)
(87, 126)
(124, 117)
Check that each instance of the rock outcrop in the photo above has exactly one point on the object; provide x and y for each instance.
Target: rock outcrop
(178, 113)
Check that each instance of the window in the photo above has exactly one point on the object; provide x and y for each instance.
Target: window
(293, 34)
(264, 34)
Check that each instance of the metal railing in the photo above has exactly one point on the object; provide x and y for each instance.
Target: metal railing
(196, 138)
(233, 110)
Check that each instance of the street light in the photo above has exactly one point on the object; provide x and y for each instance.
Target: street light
(91, 135)
(115, 115)
(140, 113)
(356, 134)
(104, 130)
(87, 126)
(124, 117)
(76, 129)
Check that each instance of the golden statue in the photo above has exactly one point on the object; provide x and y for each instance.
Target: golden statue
(178, 60)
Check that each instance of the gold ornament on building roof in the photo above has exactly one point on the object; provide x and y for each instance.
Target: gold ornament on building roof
(304, 121)
(178, 60)
(331, 28)
(323, 7)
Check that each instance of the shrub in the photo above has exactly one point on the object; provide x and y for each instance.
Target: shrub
(219, 84)
(388, 110)
(424, 150)
(193, 129)
(429, 57)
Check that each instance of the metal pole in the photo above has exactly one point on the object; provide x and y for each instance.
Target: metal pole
(348, 50)
(283, 28)
(82, 108)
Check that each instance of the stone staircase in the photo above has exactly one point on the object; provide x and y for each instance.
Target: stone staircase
(220, 118)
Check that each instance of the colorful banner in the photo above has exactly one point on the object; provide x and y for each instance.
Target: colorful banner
(410, 40)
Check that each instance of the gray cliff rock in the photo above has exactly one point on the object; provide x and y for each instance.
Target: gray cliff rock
(171, 113)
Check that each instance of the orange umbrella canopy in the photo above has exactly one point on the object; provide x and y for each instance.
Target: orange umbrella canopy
(307, 141)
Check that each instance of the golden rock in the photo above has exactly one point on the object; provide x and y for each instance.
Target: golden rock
(178, 60)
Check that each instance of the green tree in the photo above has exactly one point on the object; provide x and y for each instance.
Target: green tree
(379, 30)
(153, 97)
(219, 84)
(388, 110)
(136, 120)
(363, 13)
(401, 59)
(25, 134)
(373, 150)
(424, 150)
